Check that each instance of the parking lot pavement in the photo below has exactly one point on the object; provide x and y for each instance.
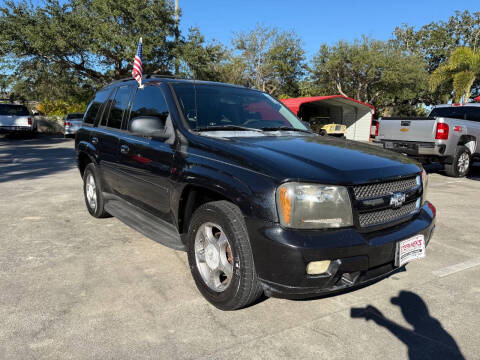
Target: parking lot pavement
(72, 286)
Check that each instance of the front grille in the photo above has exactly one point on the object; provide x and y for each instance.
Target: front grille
(381, 215)
(363, 192)
(385, 216)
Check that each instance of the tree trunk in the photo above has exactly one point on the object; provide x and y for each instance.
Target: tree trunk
(339, 88)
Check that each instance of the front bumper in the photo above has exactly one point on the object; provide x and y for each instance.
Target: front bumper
(281, 255)
(15, 129)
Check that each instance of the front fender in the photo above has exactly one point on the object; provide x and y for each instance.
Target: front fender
(252, 192)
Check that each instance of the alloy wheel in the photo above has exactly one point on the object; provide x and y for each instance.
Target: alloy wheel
(463, 162)
(91, 192)
(213, 255)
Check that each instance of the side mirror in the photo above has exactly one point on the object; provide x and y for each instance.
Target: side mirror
(151, 126)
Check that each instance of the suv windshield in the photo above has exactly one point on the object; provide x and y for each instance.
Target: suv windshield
(220, 107)
(16, 110)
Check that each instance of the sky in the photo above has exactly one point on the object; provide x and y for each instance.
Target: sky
(316, 22)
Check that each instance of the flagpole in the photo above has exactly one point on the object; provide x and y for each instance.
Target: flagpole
(141, 85)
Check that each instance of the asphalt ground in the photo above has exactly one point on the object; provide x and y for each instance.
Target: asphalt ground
(76, 287)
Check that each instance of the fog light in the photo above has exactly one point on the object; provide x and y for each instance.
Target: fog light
(318, 267)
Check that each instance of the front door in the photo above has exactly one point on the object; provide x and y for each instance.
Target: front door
(146, 162)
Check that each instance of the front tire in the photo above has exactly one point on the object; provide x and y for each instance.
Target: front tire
(220, 256)
(92, 192)
(461, 163)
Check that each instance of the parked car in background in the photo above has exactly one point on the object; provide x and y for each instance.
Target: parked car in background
(260, 203)
(324, 126)
(72, 123)
(449, 135)
(16, 119)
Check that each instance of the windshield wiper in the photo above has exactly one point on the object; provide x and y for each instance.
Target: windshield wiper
(226, 127)
(287, 128)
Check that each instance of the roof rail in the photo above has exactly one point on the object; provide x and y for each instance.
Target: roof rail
(148, 76)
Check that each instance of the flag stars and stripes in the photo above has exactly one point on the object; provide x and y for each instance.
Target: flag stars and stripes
(137, 64)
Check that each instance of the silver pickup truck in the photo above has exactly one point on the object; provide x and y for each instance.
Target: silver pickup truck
(449, 135)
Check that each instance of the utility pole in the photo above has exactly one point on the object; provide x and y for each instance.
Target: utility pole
(177, 60)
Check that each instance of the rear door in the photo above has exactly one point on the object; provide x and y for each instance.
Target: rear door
(106, 135)
(146, 163)
(419, 130)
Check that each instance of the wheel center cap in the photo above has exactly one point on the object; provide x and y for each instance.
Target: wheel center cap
(212, 256)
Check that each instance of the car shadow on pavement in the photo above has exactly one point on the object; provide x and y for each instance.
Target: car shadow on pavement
(23, 159)
(427, 339)
(435, 168)
(474, 173)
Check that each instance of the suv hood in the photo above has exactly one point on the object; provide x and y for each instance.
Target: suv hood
(315, 158)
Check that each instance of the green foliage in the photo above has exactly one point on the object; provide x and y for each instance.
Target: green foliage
(200, 60)
(61, 52)
(436, 41)
(459, 72)
(270, 60)
(60, 107)
(93, 39)
(372, 71)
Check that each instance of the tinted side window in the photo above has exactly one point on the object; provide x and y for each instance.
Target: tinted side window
(118, 106)
(149, 101)
(95, 105)
(473, 113)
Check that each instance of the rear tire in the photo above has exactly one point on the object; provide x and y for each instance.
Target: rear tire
(323, 133)
(224, 274)
(92, 192)
(461, 163)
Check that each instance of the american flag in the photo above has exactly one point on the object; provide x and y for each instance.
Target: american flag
(137, 64)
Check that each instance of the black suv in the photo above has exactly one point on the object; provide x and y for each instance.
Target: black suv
(261, 204)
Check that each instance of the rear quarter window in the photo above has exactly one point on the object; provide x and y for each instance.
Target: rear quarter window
(472, 113)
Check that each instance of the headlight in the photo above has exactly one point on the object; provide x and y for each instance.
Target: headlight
(424, 185)
(312, 206)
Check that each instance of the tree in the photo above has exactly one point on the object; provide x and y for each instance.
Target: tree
(460, 71)
(200, 60)
(92, 39)
(372, 71)
(272, 61)
(436, 41)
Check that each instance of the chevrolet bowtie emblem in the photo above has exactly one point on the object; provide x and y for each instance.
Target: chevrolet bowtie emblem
(397, 200)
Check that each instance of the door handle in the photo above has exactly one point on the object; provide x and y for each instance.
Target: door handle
(94, 140)
(124, 149)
